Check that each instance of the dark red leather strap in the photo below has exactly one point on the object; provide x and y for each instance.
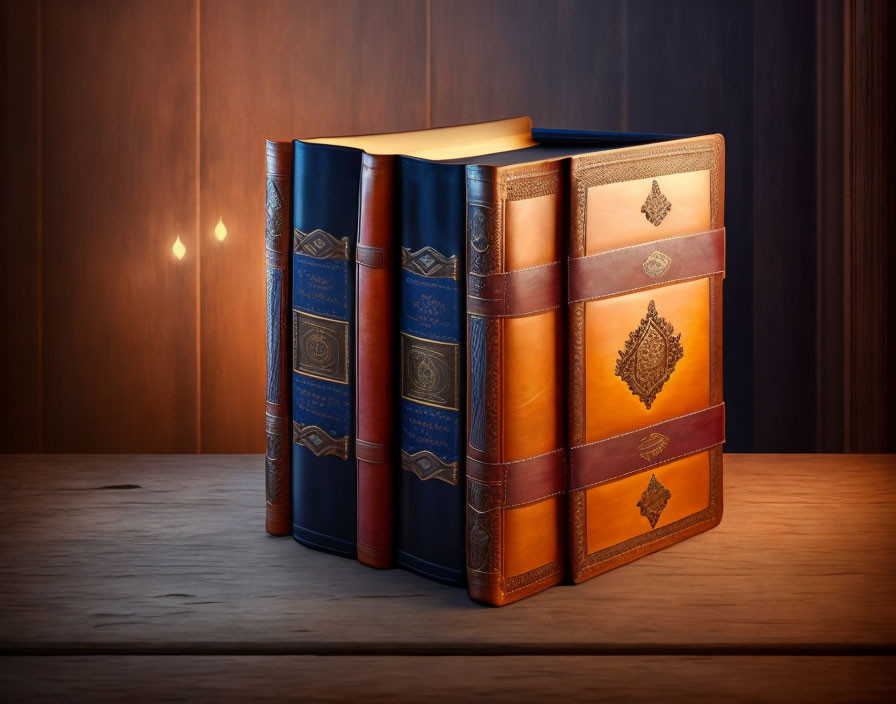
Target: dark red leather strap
(524, 481)
(616, 457)
(644, 265)
(374, 257)
(514, 293)
(369, 451)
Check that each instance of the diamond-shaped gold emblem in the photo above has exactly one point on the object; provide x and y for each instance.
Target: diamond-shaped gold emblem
(657, 206)
(654, 500)
(649, 358)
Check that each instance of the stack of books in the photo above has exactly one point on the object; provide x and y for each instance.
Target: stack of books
(495, 352)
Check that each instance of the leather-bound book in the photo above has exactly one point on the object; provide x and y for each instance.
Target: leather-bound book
(432, 341)
(375, 445)
(517, 204)
(325, 224)
(341, 183)
(516, 458)
(278, 210)
(646, 417)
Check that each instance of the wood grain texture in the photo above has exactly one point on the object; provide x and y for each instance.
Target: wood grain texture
(558, 62)
(870, 381)
(280, 70)
(829, 202)
(20, 227)
(166, 554)
(118, 185)
(636, 679)
(690, 71)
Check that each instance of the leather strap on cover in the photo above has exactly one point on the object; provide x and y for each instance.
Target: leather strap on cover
(369, 451)
(616, 457)
(374, 257)
(521, 482)
(514, 293)
(644, 265)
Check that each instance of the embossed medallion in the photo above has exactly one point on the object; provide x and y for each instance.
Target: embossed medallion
(320, 347)
(429, 372)
(429, 262)
(319, 441)
(320, 245)
(649, 358)
(274, 219)
(652, 446)
(657, 206)
(477, 228)
(654, 500)
(656, 264)
(426, 466)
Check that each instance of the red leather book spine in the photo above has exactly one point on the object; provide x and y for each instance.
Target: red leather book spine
(376, 393)
(278, 210)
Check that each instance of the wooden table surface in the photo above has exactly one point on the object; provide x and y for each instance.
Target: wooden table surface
(111, 565)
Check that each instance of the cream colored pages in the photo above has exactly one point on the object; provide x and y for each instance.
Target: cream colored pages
(444, 142)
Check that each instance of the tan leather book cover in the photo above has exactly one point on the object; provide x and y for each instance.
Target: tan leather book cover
(516, 469)
(646, 416)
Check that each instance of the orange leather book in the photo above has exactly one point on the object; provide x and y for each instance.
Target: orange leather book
(516, 439)
(646, 416)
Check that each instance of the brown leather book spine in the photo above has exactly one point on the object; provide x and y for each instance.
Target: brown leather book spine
(376, 324)
(516, 469)
(278, 518)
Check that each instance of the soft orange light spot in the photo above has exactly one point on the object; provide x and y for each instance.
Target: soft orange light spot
(220, 230)
(178, 248)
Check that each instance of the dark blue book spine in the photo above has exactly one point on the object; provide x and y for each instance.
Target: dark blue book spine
(325, 222)
(432, 327)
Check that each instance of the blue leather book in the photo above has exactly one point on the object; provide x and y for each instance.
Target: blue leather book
(431, 489)
(325, 222)
(325, 230)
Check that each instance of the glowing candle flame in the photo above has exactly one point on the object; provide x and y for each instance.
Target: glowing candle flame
(220, 230)
(178, 248)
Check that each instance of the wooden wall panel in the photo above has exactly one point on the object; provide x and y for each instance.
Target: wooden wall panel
(784, 227)
(20, 233)
(280, 70)
(690, 71)
(868, 250)
(559, 62)
(119, 183)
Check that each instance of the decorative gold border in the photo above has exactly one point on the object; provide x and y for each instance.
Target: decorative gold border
(446, 472)
(296, 313)
(302, 434)
(456, 381)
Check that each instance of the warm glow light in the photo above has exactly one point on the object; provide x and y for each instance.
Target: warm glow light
(220, 230)
(178, 248)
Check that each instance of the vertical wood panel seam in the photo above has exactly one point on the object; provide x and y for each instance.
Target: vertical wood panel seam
(198, 187)
(428, 64)
(848, 198)
(819, 240)
(40, 230)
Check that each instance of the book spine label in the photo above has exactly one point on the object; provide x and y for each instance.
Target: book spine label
(515, 448)
(431, 376)
(278, 210)
(376, 391)
(324, 233)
